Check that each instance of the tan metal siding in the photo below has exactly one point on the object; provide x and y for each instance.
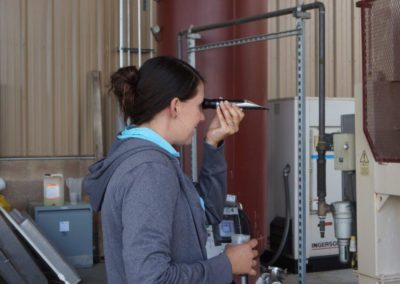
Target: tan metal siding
(12, 95)
(342, 50)
(48, 48)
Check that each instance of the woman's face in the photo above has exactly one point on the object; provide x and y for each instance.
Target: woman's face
(190, 114)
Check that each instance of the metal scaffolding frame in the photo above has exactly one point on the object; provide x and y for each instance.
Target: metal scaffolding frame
(300, 13)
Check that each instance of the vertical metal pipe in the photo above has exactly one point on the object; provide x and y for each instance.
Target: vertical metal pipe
(128, 31)
(323, 208)
(121, 32)
(151, 38)
(192, 61)
(321, 31)
(120, 124)
(139, 32)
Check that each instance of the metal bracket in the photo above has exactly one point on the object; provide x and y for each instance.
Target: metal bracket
(381, 200)
(300, 14)
(193, 36)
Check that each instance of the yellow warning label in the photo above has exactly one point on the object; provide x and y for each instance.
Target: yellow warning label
(364, 164)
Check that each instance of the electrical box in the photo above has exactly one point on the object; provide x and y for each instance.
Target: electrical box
(69, 229)
(344, 149)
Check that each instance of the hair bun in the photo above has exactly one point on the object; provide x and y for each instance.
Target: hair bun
(123, 77)
(123, 85)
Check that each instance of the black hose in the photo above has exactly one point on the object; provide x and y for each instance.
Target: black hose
(286, 171)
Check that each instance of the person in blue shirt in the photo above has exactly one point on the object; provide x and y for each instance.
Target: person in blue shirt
(153, 216)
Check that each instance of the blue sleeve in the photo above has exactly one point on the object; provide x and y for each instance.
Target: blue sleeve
(212, 185)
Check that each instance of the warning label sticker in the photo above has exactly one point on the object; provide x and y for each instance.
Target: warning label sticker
(364, 164)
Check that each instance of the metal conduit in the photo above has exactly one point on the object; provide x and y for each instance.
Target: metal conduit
(120, 123)
(139, 32)
(128, 30)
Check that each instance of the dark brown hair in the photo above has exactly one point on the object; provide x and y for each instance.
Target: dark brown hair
(143, 93)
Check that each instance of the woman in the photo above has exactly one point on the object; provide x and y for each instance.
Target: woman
(153, 217)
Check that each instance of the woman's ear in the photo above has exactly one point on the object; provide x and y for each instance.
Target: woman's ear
(174, 106)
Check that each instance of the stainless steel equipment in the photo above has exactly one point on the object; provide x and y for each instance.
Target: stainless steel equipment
(342, 216)
(274, 275)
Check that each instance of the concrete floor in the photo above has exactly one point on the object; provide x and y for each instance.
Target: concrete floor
(94, 275)
(343, 276)
(97, 275)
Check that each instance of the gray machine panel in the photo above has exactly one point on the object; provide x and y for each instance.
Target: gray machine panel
(16, 264)
(28, 230)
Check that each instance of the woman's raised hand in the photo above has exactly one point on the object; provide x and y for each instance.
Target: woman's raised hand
(225, 123)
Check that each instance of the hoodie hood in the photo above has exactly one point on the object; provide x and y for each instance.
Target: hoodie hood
(100, 173)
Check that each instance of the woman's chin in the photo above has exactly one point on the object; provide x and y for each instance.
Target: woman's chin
(186, 142)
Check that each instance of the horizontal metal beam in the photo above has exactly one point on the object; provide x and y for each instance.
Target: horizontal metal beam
(244, 40)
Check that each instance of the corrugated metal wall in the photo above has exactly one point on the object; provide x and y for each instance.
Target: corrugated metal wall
(47, 48)
(343, 39)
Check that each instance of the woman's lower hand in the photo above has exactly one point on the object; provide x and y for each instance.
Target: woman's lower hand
(225, 123)
(242, 257)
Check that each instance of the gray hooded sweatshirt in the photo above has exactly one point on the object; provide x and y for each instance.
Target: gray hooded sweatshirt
(154, 225)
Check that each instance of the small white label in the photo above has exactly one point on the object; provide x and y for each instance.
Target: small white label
(364, 164)
(64, 226)
(53, 191)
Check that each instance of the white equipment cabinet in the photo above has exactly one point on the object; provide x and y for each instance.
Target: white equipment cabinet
(282, 149)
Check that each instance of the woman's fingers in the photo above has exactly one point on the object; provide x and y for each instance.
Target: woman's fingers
(221, 117)
(253, 243)
(232, 114)
(236, 113)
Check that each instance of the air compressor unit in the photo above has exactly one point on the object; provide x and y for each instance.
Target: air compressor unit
(321, 253)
